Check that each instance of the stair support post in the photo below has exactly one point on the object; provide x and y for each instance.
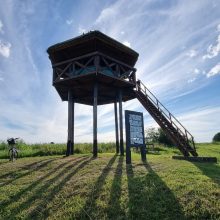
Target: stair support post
(70, 141)
(116, 127)
(95, 103)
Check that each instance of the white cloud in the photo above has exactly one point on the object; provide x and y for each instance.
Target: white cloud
(81, 30)
(5, 49)
(69, 22)
(214, 71)
(202, 122)
(192, 53)
(1, 27)
(213, 50)
(191, 80)
(218, 27)
(196, 71)
(105, 14)
(126, 43)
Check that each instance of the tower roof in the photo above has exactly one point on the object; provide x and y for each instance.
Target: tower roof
(91, 42)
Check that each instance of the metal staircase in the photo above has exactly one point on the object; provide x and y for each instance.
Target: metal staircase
(170, 125)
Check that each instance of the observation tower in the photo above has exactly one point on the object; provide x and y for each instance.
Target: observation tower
(94, 69)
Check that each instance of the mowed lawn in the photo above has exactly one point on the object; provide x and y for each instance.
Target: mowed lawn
(80, 187)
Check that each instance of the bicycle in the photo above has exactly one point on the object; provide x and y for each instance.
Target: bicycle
(13, 152)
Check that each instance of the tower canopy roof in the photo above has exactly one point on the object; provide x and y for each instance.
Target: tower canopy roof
(90, 42)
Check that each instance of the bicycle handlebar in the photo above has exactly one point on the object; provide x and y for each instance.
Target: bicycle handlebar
(11, 141)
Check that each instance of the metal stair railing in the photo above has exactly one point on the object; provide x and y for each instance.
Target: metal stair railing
(166, 113)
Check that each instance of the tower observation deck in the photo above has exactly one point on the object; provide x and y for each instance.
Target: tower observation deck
(93, 58)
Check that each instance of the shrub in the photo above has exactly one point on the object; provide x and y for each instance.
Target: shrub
(216, 137)
(157, 136)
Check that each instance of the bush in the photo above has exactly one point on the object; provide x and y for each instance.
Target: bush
(216, 137)
(154, 135)
(163, 138)
(151, 135)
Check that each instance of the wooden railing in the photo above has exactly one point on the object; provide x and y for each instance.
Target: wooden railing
(90, 63)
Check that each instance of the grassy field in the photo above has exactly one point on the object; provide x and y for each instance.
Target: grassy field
(80, 187)
(45, 149)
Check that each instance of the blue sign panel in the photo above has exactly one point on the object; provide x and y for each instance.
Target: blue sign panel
(134, 125)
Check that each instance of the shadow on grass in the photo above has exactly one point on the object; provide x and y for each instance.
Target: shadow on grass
(37, 187)
(211, 170)
(25, 167)
(150, 198)
(31, 168)
(114, 206)
(41, 211)
(90, 210)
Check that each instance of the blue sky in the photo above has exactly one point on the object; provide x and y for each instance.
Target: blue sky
(179, 49)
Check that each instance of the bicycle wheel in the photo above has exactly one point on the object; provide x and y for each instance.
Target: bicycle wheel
(10, 153)
(15, 155)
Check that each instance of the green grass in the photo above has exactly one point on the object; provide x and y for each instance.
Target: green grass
(79, 187)
(45, 149)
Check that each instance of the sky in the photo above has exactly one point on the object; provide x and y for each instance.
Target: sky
(179, 61)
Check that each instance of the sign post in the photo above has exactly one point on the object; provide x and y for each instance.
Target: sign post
(134, 125)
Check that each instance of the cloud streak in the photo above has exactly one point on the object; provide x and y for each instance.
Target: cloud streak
(214, 71)
(5, 48)
(1, 27)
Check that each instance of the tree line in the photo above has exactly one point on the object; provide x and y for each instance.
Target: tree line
(157, 135)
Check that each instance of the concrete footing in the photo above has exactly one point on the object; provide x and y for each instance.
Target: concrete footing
(196, 159)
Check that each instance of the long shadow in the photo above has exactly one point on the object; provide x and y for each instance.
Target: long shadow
(36, 168)
(211, 170)
(45, 187)
(115, 193)
(41, 211)
(14, 173)
(90, 208)
(150, 198)
(26, 190)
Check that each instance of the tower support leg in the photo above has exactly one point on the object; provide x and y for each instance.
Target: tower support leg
(70, 141)
(116, 127)
(95, 102)
(121, 123)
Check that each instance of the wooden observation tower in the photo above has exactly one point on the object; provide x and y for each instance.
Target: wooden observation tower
(94, 69)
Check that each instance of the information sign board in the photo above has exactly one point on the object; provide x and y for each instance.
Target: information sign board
(134, 125)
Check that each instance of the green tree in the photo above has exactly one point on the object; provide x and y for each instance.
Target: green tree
(163, 138)
(151, 135)
(216, 137)
(157, 135)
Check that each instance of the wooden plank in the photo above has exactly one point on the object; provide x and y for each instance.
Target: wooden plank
(116, 61)
(121, 123)
(74, 59)
(95, 102)
(116, 127)
(197, 159)
(70, 142)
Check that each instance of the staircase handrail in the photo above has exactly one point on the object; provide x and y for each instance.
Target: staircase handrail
(171, 117)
